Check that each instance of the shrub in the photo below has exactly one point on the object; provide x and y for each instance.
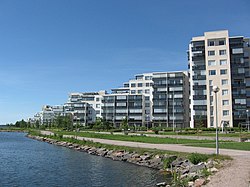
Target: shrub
(196, 158)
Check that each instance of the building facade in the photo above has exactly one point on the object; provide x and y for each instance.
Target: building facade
(118, 107)
(216, 59)
(171, 99)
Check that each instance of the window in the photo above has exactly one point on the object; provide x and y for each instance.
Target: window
(223, 71)
(147, 91)
(98, 112)
(147, 98)
(211, 43)
(211, 53)
(97, 99)
(225, 102)
(210, 83)
(224, 81)
(133, 91)
(97, 105)
(139, 84)
(133, 85)
(225, 112)
(121, 97)
(223, 62)
(148, 77)
(241, 70)
(224, 92)
(139, 91)
(237, 51)
(240, 101)
(147, 84)
(222, 42)
(222, 52)
(121, 104)
(212, 72)
(211, 63)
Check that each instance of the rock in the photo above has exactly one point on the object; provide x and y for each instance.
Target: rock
(101, 152)
(161, 184)
(213, 170)
(184, 171)
(186, 164)
(199, 182)
(197, 167)
(126, 156)
(135, 155)
(155, 163)
(190, 184)
(178, 162)
(145, 157)
(209, 164)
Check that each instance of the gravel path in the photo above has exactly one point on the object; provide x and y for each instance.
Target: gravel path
(235, 174)
(235, 139)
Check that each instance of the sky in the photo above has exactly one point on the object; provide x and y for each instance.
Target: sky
(49, 48)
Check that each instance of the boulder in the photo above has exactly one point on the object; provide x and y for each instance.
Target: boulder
(190, 184)
(213, 170)
(197, 167)
(178, 162)
(199, 182)
(145, 157)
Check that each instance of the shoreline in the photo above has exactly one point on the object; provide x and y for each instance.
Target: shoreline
(192, 174)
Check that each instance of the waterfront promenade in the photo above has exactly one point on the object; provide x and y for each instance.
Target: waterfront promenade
(235, 173)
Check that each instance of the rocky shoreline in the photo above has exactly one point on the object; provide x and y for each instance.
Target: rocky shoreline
(195, 175)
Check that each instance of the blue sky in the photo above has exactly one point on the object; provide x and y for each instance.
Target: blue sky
(49, 48)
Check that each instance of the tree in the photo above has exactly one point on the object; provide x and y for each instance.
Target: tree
(124, 126)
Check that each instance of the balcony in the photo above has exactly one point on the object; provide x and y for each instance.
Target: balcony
(199, 77)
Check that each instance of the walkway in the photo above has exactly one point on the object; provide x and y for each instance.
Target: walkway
(236, 173)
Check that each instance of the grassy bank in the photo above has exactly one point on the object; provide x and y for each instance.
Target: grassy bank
(228, 145)
(133, 138)
(131, 149)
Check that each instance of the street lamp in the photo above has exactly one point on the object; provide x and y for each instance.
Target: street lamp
(247, 120)
(147, 121)
(216, 89)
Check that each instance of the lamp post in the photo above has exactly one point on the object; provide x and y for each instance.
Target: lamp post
(216, 89)
(147, 121)
(247, 120)
(173, 109)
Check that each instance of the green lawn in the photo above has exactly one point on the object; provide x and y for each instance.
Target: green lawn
(229, 145)
(143, 139)
(211, 134)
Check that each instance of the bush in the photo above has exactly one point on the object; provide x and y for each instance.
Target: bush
(116, 130)
(142, 128)
(168, 129)
(196, 158)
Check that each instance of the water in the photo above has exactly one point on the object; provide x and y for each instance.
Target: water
(27, 162)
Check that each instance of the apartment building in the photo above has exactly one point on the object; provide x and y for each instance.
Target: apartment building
(141, 84)
(85, 106)
(216, 59)
(120, 106)
(171, 99)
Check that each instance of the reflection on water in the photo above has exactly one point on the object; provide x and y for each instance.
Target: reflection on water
(27, 162)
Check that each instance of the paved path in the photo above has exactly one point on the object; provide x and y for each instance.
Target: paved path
(235, 139)
(234, 174)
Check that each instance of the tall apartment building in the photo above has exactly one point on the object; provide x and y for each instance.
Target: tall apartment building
(171, 99)
(216, 59)
(143, 84)
(85, 107)
(119, 106)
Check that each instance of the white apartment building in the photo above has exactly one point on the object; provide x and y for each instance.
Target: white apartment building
(141, 84)
(216, 59)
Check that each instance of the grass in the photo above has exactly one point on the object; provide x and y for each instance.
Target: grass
(131, 138)
(211, 134)
(131, 149)
(229, 145)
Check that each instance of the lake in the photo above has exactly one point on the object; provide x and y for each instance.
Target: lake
(27, 162)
